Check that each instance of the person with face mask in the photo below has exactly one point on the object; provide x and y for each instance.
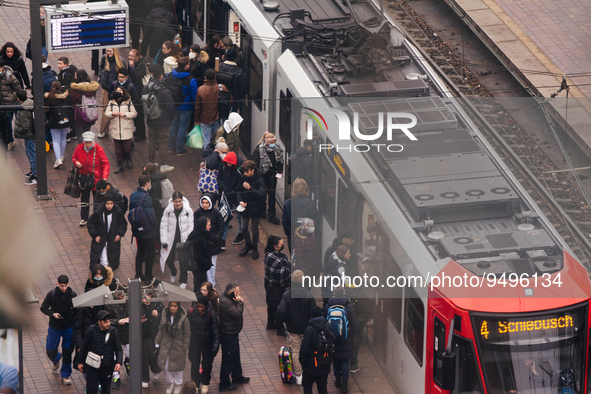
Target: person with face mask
(306, 249)
(207, 210)
(277, 280)
(121, 111)
(110, 65)
(199, 61)
(106, 227)
(104, 188)
(176, 225)
(269, 158)
(205, 341)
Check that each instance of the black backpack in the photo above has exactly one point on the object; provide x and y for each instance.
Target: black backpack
(175, 87)
(224, 104)
(138, 218)
(324, 348)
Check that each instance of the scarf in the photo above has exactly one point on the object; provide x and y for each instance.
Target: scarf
(264, 153)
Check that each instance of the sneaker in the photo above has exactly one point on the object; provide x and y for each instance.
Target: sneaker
(172, 278)
(282, 333)
(274, 220)
(177, 389)
(156, 376)
(83, 222)
(58, 163)
(100, 388)
(183, 286)
(354, 368)
(11, 145)
(170, 388)
(166, 168)
(241, 380)
(101, 135)
(116, 383)
(184, 152)
(126, 364)
(238, 240)
(227, 388)
(32, 180)
(298, 379)
(170, 152)
(28, 174)
(55, 366)
(145, 384)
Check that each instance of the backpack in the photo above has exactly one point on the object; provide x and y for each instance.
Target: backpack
(151, 106)
(167, 190)
(229, 78)
(224, 103)
(138, 218)
(324, 348)
(88, 109)
(337, 318)
(175, 86)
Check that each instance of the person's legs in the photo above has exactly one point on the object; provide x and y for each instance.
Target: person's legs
(307, 383)
(105, 374)
(321, 384)
(170, 259)
(85, 201)
(177, 377)
(271, 185)
(56, 137)
(295, 342)
(163, 141)
(10, 136)
(207, 366)
(184, 118)
(79, 130)
(142, 247)
(173, 131)
(118, 145)
(345, 369)
(140, 125)
(183, 273)
(127, 146)
(146, 352)
(196, 357)
(254, 227)
(92, 379)
(67, 348)
(211, 271)
(226, 228)
(237, 370)
(228, 343)
(207, 131)
(51, 345)
(153, 140)
(30, 149)
(150, 254)
(244, 227)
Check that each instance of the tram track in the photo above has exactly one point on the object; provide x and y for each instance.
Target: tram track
(557, 198)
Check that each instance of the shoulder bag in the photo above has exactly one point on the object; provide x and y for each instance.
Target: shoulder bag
(87, 181)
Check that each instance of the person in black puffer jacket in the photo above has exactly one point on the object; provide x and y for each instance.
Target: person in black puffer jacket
(251, 197)
(312, 370)
(108, 231)
(343, 347)
(216, 232)
(201, 253)
(205, 341)
(59, 115)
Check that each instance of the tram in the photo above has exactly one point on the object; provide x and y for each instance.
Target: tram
(444, 206)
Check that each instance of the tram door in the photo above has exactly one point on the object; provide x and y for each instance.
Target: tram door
(435, 349)
(246, 125)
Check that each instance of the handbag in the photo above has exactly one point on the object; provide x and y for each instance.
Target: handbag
(87, 181)
(93, 360)
(195, 138)
(208, 180)
(72, 188)
(224, 209)
(184, 252)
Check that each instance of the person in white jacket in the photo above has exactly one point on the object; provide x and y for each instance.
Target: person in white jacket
(176, 225)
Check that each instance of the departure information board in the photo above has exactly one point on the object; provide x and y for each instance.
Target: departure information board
(83, 26)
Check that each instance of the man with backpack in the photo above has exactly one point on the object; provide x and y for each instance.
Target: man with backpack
(159, 112)
(206, 105)
(144, 225)
(294, 309)
(104, 188)
(316, 353)
(183, 88)
(340, 315)
(233, 77)
(67, 72)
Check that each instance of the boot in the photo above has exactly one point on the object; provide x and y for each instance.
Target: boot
(255, 253)
(344, 388)
(337, 381)
(204, 389)
(273, 219)
(245, 250)
(119, 168)
(129, 163)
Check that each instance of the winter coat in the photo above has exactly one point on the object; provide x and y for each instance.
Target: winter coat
(344, 348)
(230, 177)
(189, 90)
(199, 66)
(5, 128)
(275, 155)
(137, 73)
(333, 267)
(59, 112)
(205, 332)
(295, 310)
(206, 103)
(97, 227)
(85, 317)
(173, 340)
(230, 314)
(118, 199)
(66, 76)
(49, 77)
(255, 197)
(134, 201)
(129, 86)
(77, 90)
(277, 270)
(57, 302)
(101, 163)
(170, 63)
(302, 166)
(238, 81)
(9, 85)
(108, 281)
(95, 340)
(217, 225)
(310, 345)
(121, 128)
(160, 22)
(226, 130)
(20, 70)
(23, 125)
(150, 327)
(107, 77)
(307, 253)
(213, 161)
(168, 227)
(165, 102)
(118, 312)
(200, 239)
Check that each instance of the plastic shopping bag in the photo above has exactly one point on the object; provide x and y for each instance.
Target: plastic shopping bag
(195, 139)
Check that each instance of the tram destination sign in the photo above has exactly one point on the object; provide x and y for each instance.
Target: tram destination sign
(82, 26)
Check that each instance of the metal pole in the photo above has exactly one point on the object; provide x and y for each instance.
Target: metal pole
(38, 112)
(135, 335)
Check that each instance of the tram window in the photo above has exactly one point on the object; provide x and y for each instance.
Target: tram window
(328, 193)
(467, 373)
(414, 318)
(197, 19)
(285, 119)
(256, 80)
(438, 349)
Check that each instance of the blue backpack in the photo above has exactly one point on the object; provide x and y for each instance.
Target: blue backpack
(337, 318)
(138, 218)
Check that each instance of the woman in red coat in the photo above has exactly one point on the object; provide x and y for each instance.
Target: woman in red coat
(87, 157)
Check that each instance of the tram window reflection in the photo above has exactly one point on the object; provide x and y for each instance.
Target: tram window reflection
(414, 319)
(467, 373)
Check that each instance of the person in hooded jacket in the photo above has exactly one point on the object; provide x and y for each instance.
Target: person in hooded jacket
(13, 57)
(268, 157)
(9, 85)
(59, 115)
(24, 128)
(312, 372)
(200, 238)
(277, 280)
(230, 177)
(216, 243)
(121, 111)
(49, 76)
(82, 86)
(106, 227)
(199, 61)
(110, 64)
(251, 196)
(294, 310)
(307, 253)
(205, 341)
(230, 131)
(302, 164)
(176, 225)
(343, 347)
(183, 111)
(160, 21)
(335, 266)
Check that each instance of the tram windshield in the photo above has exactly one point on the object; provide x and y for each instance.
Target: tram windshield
(533, 354)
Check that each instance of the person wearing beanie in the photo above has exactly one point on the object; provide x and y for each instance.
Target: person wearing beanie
(205, 341)
(295, 311)
(313, 357)
(230, 176)
(106, 227)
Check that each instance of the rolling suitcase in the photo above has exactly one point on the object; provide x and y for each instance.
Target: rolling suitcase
(285, 365)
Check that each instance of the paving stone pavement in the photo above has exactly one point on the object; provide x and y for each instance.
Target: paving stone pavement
(71, 248)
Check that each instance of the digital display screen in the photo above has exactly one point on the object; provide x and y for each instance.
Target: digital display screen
(73, 29)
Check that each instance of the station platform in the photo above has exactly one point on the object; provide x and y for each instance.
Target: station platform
(538, 42)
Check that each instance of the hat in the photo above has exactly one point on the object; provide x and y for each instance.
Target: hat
(316, 311)
(109, 197)
(231, 158)
(234, 120)
(88, 136)
(203, 300)
(103, 315)
(231, 54)
(297, 276)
